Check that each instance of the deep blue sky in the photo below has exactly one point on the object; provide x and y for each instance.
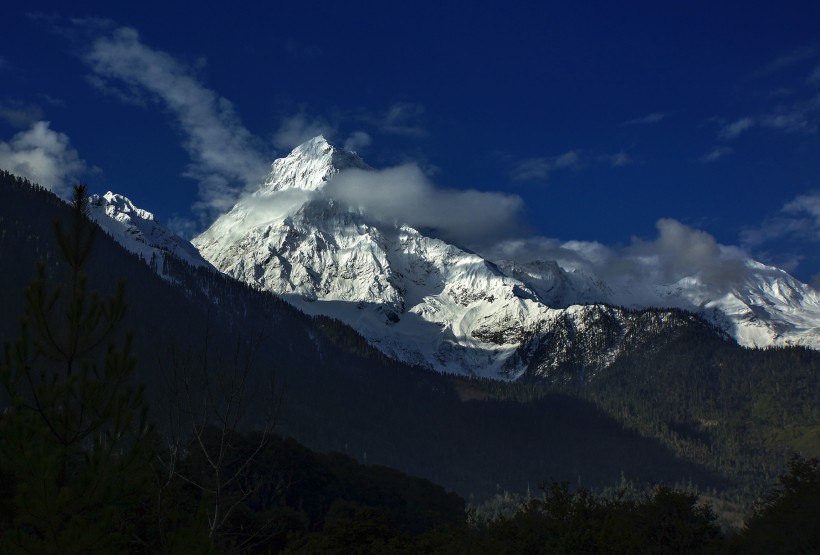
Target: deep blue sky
(602, 116)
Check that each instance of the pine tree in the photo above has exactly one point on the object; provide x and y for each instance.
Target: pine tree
(74, 431)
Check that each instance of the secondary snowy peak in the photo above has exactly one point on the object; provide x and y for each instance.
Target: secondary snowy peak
(139, 231)
(768, 307)
(309, 166)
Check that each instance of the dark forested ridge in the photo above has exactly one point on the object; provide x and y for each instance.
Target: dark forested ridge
(695, 409)
(739, 412)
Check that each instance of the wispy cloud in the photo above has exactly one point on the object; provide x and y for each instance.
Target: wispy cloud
(788, 236)
(303, 51)
(298, 128)
(736, 128)
(790, 59)
(225, 156)
(43, 156)
(799, 117)
(403, 118)
(814, 76)
(357, 141)
(540, 168)
(617, 160)
(20, 114)
(51, 100)
(807, 205)
(649, 119)
(716, 154)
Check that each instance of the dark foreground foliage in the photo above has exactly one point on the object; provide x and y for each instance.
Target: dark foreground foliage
(787, 520)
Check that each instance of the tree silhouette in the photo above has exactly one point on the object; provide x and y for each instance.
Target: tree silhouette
(74, 429)
(786, 521)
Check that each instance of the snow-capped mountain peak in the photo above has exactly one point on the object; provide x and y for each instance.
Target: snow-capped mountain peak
(119, 205)
(139, 231)
(309, 166)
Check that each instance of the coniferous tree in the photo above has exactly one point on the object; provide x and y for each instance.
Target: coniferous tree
(786, 521)
(74, 428)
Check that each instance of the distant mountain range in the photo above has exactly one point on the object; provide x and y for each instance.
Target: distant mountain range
(424, 301)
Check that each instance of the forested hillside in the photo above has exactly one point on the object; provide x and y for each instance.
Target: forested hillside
(336, 392)
(694, 409)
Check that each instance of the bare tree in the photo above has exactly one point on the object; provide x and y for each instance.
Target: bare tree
(214, 400)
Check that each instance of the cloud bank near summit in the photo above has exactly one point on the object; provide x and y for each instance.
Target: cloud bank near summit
(405, 195)
(490, 224)
(678, 251)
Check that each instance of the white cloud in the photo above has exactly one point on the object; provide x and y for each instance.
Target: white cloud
(677, 252)
(798, 219)
(225, 156)
(808, 204)
(798, 117)
(789, 122)
(19, 114)
(789, 237)
(405, 195)
(716, 154)
(788, 60)
(357, 141)
(298, 128)
(43, 156)
(566, 160)
(403, 118)
(814, 76)
(532, 169)
(539, 169)
(648, 119)
(681, 250)
(736, 128)
(617, 160)
(53, 101)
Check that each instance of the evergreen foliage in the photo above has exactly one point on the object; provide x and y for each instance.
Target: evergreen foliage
(74, 429)
(787, 520)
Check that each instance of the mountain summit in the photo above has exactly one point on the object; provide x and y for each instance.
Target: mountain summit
(424, 301)
(309, 166)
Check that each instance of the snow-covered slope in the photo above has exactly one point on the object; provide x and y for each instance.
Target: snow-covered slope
(768, 307)
(415, 297)
(425, 301)
(139, 232)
